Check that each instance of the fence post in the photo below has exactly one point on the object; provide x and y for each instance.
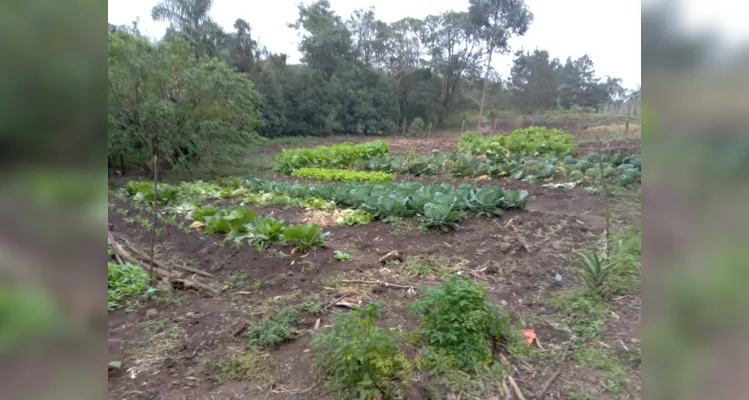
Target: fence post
(463, 125)
(429, 132)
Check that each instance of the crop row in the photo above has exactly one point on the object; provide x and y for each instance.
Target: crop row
(620, 168)
(241, 223)
(342, 175)
(437, 205)
(533, 141)
(336, 156)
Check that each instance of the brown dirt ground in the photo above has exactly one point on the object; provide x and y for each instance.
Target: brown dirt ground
(170, 355)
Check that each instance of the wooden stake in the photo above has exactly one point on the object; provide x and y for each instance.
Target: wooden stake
(429, 132)
(462, 126)
(155, 202)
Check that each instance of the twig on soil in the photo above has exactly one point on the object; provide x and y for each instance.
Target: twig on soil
(344, 304)
(555, 375)
(332, 303)
(506, 389)
(515, 387)
(118, 249)
(270, 390)
(158, 263)
(380, 283)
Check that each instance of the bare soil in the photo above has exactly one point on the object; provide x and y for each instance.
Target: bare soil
(170, 345)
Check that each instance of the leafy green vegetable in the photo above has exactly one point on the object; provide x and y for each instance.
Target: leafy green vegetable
(273, 330)
(440, 215)
(485, 200)
(233, 222)
(304, 236)
(354, 217)
(335, 156)
(143, 191)
(265, 231)
(201, 213)
(341, 256)
(125, 280)
(342, 175)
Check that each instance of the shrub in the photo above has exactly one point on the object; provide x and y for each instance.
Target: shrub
(360, 357)
(342, 175)
(416, 127)
(276, 329)
(459, 322)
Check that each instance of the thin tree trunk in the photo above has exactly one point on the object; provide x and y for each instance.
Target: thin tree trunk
(404, 126)
(483, 90)
(429, 132)
(155, 202)
(626, 124)
(607, 234)
(122, 164)
(462, 126)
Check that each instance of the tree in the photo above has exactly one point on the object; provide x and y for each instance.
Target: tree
(163, 101)
(496, 22)
(454, 50)
(190, 20)
(370, 37)
(534, 80)
(327, 44)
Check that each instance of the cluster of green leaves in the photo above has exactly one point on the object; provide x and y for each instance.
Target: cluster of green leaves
(359, 357)
(595, 270)
(125, 280)
(354, 217)
(156, 95)
(240, 224)
(412, 164)
(620, 169)
(335, 156)
(274, 330)
(533, 141)
(584, 312)
(342, 175)
(143, 191)
(460, 323)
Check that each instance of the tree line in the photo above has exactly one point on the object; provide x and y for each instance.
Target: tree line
(202, 93)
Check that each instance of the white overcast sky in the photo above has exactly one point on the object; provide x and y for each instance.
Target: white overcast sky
(607, 30)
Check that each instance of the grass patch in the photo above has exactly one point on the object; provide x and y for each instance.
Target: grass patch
(164, 340)
(274, 330)
(584, 312)
(247, 365)
(236, 281)
(600, 359)
(426, 267)
(627, 255)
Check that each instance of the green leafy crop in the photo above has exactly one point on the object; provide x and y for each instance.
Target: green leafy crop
(335, 156)
(125, 280)
(342, 175)
(458, 320)
(354, 217)
(359, 357)
(265, 231)
(304, 236)
(233, 222)
(143, 191)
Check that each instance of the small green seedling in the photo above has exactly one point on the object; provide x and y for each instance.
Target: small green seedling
(341, 256)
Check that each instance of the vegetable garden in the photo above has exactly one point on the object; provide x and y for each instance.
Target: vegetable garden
(488, 271)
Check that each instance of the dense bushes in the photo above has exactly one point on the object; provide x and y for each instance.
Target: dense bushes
(335, 156)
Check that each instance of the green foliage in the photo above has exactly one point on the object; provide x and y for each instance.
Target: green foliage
(143, 191)
(416, 127)
(233, 222)
(125, 280)
(265, 231)
(341, 256)
(335, 156)
(248, 366)
(201, 213)
(354, 217)
(359, 357)
(595, 271)
(457, 320)
(441, 215)
(389, 200)
(304, 236)
(157, 96)
(342, 175)
(584, 312)
(533, 141)
(274, 330)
